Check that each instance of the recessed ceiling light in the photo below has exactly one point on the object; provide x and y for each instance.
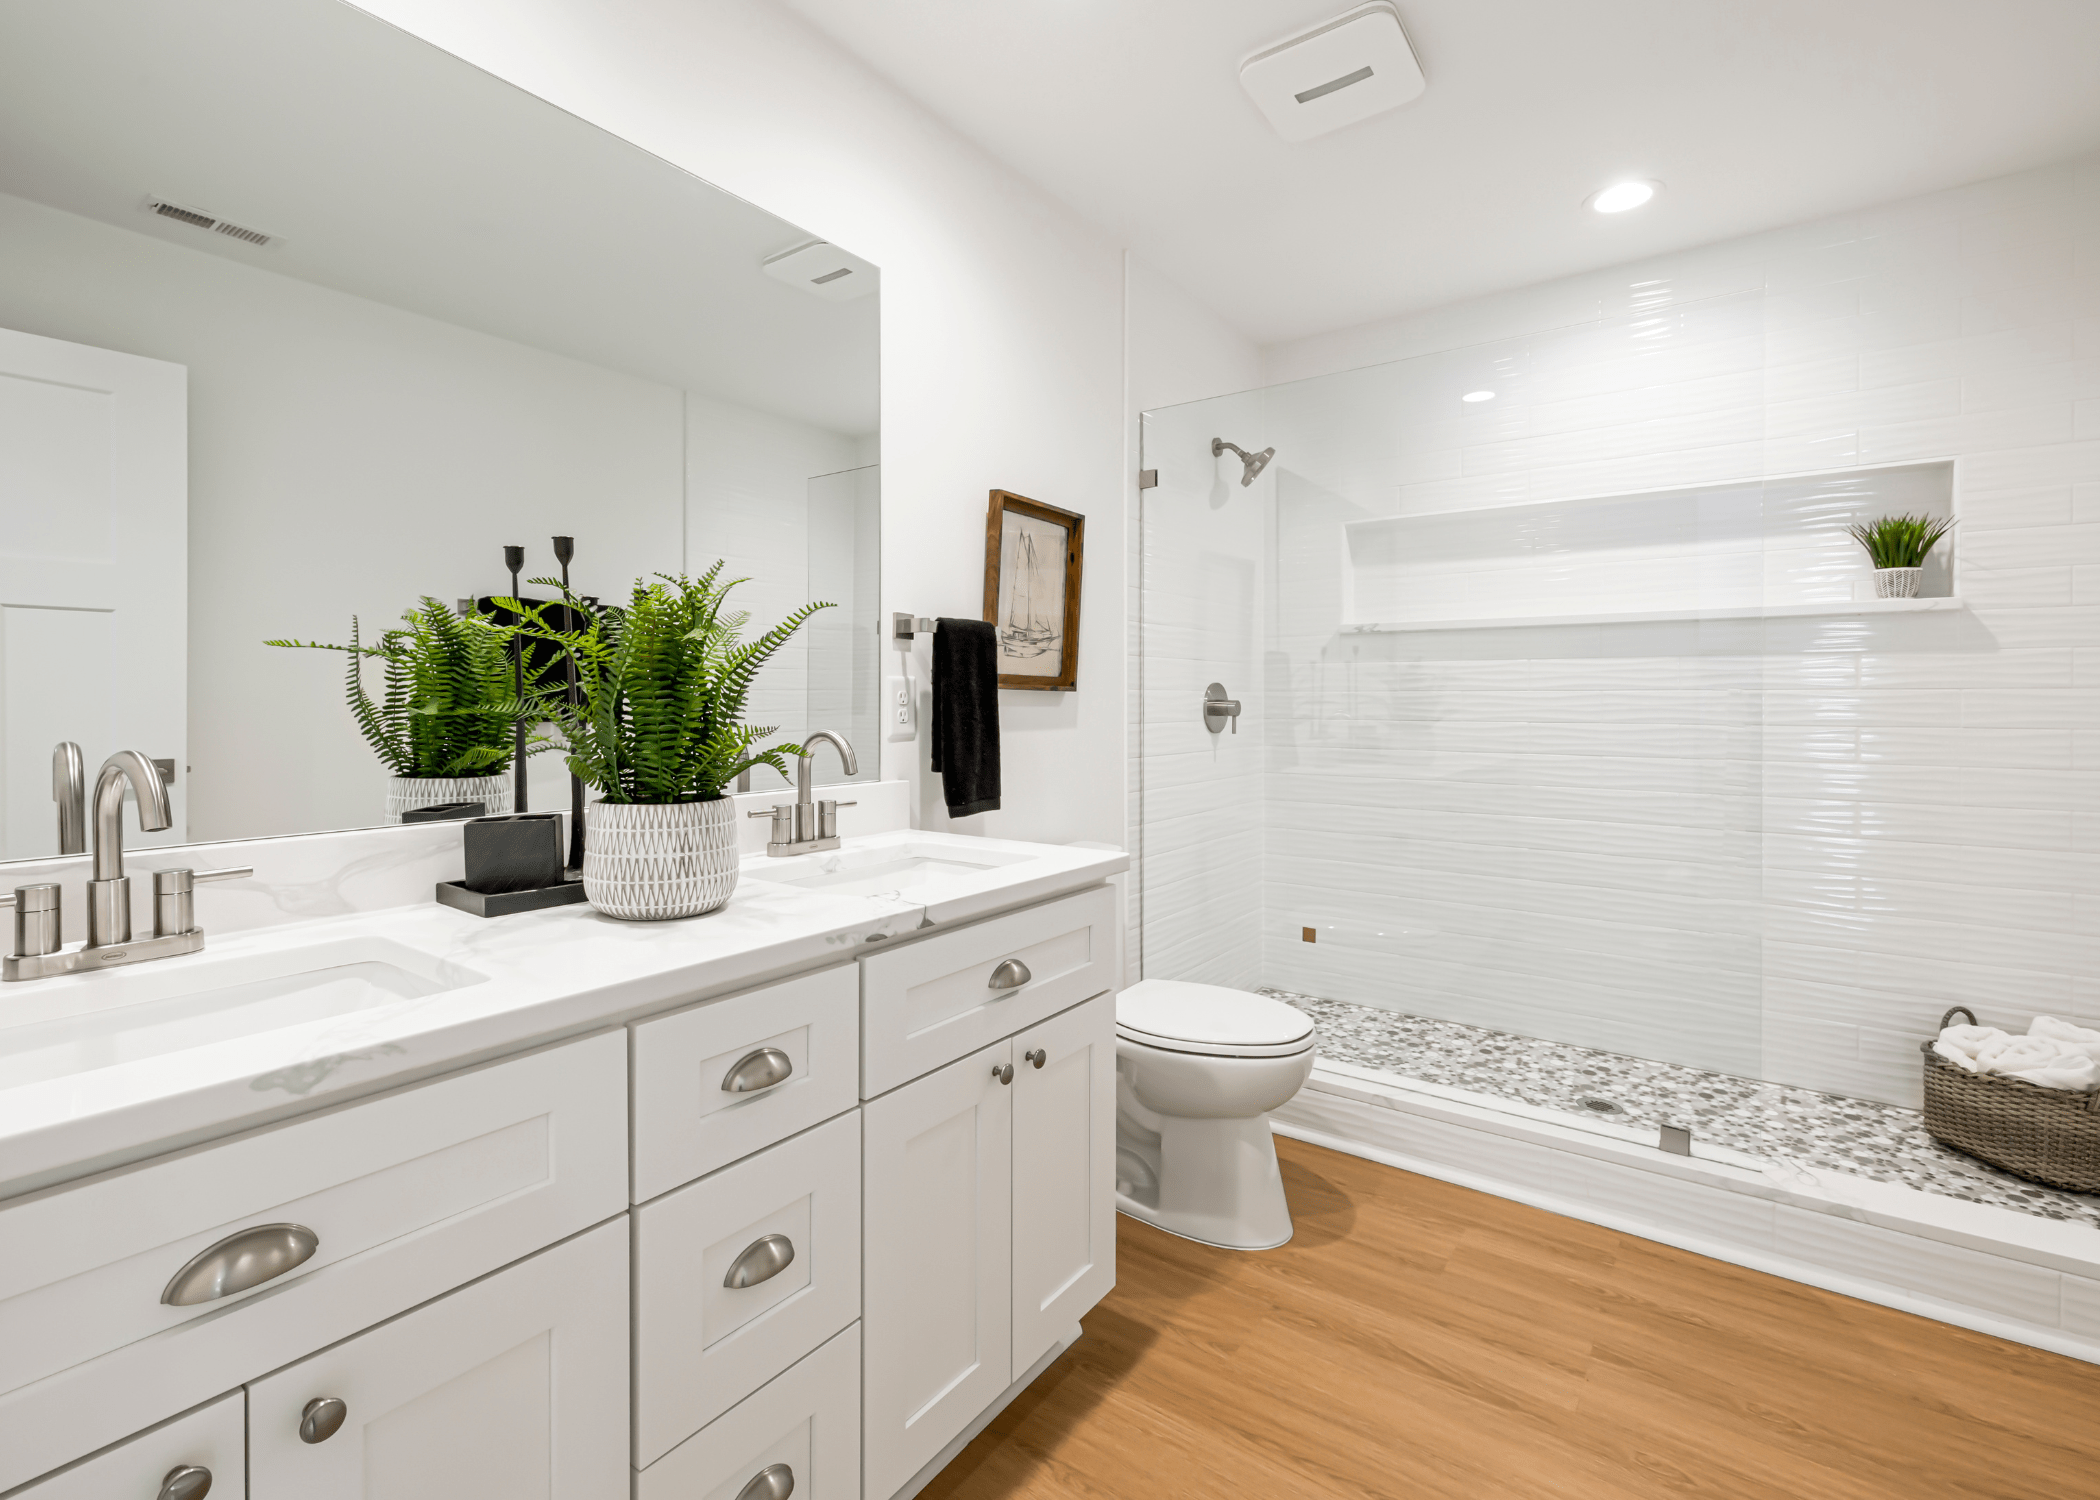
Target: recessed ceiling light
(1478, 396)
(1621, 196)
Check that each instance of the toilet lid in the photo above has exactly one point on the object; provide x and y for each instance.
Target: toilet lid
(1209, 1018)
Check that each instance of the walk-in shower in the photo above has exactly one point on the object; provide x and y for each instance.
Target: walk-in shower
(1516, 681)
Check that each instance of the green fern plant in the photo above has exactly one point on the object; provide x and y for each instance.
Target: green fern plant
(664, 683)
(448, 707)
(1900, 541)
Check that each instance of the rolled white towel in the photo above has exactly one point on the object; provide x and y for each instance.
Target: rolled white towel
(2038, 1060)
(2071, 1070)
(1962, 1044)
(2070, 1037)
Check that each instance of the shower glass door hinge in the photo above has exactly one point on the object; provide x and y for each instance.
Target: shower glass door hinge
(1148, 479)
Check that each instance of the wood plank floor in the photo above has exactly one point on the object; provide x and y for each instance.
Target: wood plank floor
(1417, 1339)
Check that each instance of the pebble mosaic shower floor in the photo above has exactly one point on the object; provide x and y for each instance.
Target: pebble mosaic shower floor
(1866, 1139)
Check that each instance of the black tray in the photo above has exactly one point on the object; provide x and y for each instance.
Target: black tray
(505, 903)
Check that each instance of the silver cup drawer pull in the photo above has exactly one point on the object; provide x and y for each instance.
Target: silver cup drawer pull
(773, 1482)
(185, 1482)
(758, 1070)
(762, 1260)
(1010, 975)
(240, 1261)
(322, 1418)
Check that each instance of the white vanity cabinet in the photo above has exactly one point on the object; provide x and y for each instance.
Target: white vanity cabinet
(806, 1237)
(990, 1227)
(514, 1386)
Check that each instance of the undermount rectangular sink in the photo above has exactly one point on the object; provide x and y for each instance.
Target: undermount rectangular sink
(102, 1020)
(903, 871)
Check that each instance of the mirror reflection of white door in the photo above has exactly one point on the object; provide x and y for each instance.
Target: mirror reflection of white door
(94, 573)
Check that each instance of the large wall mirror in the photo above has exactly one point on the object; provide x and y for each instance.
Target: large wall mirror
(301, 320)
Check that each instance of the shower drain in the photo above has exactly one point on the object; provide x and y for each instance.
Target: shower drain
(1608, 1108)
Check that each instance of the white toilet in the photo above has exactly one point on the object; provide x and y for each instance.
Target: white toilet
(1198, 1068)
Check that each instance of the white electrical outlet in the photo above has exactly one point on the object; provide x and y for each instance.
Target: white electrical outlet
(900, 716)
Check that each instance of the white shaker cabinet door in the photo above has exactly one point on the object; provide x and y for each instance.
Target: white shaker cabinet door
(936, 1318)
(196, 1454)
(1064, 1174)
(514, 1386)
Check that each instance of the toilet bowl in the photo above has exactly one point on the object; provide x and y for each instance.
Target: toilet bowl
(1198, 1068)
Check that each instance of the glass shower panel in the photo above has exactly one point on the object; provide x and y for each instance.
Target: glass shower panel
(1509, 640)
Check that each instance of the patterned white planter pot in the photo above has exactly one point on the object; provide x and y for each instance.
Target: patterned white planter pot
(406, 793)
(647, 862)
(1897, 583)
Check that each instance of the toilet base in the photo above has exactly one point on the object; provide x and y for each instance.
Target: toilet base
(1217, 1182)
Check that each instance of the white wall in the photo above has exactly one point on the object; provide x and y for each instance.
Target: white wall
(1001, 315)
(345, 457)
(1908, 802)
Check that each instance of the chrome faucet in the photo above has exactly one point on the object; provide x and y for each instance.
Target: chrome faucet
(69, 791)
(805, 826)
(39, 909)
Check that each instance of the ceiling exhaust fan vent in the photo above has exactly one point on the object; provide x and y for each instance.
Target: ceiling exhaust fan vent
(1357, 65)
(200, 220)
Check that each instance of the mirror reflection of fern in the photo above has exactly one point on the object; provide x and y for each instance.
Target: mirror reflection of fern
(448, 707)
(665, 683)
(1901, 541)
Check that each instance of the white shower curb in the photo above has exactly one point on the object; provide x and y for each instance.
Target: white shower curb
(1993, 1270)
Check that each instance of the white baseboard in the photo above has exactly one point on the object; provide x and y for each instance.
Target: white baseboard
(1996, 1271)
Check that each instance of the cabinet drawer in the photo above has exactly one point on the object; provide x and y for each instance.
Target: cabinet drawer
(702, 1344)
(407, 1195)
(807, 1420)
(689, 1120)
(208, 1438)
(931, 1001)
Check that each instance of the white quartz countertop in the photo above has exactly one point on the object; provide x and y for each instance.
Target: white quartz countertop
(98, 1070)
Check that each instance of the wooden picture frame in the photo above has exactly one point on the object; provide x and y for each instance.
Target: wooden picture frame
(1033, 556)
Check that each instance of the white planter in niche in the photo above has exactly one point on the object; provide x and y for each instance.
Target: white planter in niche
(407, 793)
(652, 861)
(1897, 583)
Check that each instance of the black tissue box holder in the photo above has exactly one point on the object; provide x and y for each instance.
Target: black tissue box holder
(514, 864)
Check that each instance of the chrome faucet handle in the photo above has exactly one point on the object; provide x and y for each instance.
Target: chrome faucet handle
(39, 911)
(174, 912)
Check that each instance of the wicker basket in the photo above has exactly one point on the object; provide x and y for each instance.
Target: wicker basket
(2050, 1136)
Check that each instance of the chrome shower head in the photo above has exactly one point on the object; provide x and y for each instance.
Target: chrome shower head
(1253, 462)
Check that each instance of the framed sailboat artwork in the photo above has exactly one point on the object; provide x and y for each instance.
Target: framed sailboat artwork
(1032, 558)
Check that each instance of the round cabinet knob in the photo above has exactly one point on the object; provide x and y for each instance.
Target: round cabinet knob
(1010, 974)
(322, 1419)
(1004, 1072)
(773, 1482)
(185, 1482)
(1036, 1055)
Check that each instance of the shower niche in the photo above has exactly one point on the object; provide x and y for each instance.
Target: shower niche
(1751, 549)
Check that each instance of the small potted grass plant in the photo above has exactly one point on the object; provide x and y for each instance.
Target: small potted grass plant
(1898, 545)
(444, 725)
(658, 730)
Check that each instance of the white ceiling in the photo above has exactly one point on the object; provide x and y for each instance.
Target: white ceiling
(396, 172)
(1754, 113)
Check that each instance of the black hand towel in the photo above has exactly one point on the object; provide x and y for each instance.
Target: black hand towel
(966, 715)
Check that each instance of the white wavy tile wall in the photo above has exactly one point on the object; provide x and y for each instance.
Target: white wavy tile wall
(1780, 847)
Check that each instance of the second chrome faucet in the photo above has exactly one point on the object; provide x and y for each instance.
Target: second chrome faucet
(805, 826)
